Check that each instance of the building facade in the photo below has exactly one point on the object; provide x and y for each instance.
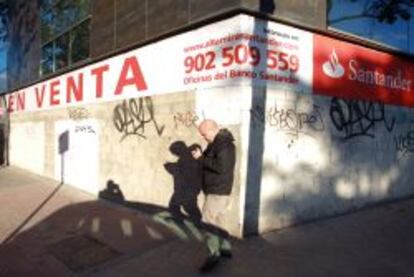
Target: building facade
(317, 95)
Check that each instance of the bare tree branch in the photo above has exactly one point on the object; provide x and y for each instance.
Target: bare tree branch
(351, 17)
(387, 11)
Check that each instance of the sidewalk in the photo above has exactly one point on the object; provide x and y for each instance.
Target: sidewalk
(52, 230)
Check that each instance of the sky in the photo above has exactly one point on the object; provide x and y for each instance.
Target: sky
(399, 35)
(3, 53)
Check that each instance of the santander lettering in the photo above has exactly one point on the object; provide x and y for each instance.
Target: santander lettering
(377, 78)
(346, 70)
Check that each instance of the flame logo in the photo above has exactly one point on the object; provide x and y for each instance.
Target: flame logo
(333, 68)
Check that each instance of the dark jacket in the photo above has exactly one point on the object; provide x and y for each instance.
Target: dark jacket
(218, 163)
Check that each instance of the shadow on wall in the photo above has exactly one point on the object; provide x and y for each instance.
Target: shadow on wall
(63, 148)
(175, 218)
(252, 196)
(186, 174)
(2, 146)
(4, 133)
(183, 206)
(361, 157)
(359, 154)
(182, 216)
(110, 232)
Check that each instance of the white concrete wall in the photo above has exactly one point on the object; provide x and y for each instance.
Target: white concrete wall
(78, 164)
(128, 142)
(321, 155)
(324, 156)
(27, 144)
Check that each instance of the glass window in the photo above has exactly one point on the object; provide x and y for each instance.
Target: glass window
(61, 52)
(47, 25)
(65, 33)
(389, 22)
(75, 10)
(3, 47)
(47, 59)
(63, 14)
(3, 65)
(45, 4)
(84, 7)
(80, 42)
(62, 10)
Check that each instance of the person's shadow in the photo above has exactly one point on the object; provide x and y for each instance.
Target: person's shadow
(2, 146)
(112, 192)
(186, 174)
(182, 216)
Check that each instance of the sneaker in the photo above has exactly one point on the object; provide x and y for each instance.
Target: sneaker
(210, 263)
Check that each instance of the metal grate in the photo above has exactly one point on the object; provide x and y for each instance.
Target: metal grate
(79, 253)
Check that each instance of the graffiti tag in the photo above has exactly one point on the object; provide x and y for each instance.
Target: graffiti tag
(186, 119)
(84, 129)
(290, 120)
(404, 143)
(132, 116)
(356, 118)
(78, 114)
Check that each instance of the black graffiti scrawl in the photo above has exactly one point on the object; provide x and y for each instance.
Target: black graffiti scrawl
(354, 118)
(289, 121)
(404, 143)
(132, 116)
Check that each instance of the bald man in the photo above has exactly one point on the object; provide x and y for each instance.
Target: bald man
(217, 163)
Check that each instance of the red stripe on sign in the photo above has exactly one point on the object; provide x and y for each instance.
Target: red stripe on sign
(349, 71)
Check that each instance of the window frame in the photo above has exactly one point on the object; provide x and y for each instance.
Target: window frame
(55, 36)
(344, 33)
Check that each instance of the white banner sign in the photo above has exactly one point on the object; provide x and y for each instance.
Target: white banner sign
(238, 51)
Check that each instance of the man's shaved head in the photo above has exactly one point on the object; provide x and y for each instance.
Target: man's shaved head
(208, 129)
(208, 124)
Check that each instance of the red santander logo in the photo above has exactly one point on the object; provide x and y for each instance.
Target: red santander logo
(350, 71)
(332, 67)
